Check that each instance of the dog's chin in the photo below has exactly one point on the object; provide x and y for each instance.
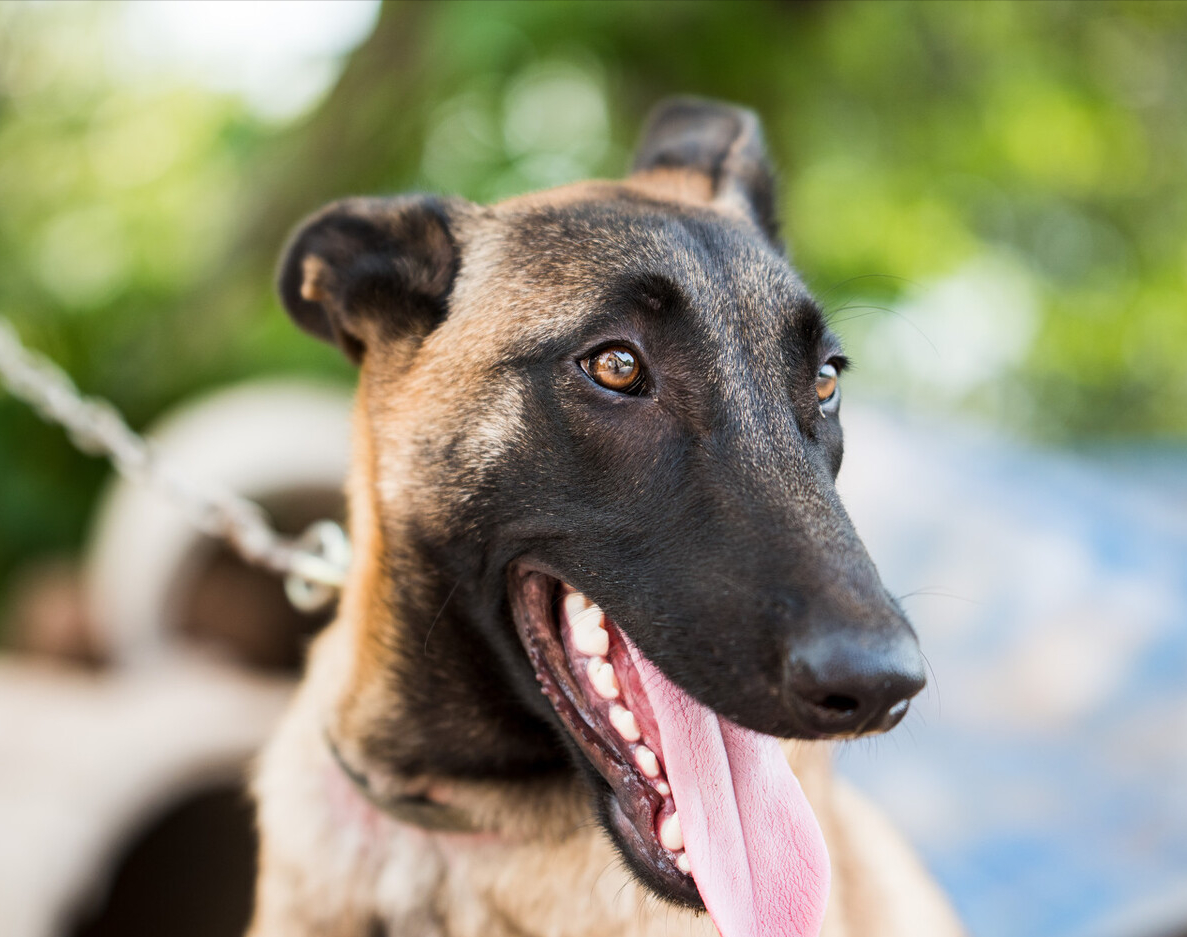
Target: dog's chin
(585, 671)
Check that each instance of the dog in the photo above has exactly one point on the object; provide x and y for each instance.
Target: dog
(601, 569)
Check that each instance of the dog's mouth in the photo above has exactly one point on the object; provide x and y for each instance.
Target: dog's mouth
(705, 812)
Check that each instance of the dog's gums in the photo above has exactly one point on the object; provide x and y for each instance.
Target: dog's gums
(585, 669)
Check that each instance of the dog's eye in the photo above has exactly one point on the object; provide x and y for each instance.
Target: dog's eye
(615, 368)
(826, 383)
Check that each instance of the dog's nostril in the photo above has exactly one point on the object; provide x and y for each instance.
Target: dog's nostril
(841, 705)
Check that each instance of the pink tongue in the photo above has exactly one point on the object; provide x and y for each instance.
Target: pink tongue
(756, 850)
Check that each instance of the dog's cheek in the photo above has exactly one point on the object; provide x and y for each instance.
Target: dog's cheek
(454, 471)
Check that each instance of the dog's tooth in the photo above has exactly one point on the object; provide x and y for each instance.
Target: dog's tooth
(589, 634)
(662, 787)
(576, 603)
(683, 864)
(625, 723)
(670, 834)
(647, 762)
(601, 675)
(594, 642)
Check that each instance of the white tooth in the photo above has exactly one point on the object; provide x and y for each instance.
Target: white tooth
(670, 833)
(647, 762)
(593, 642)
(601, 675)
(589, 635)
(625, 723)
(662, 787)
(575, 604)
(683, 864)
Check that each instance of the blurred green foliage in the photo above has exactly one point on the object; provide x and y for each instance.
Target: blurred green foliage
(988, 196)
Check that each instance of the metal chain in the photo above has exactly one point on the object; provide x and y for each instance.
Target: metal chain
(314, 564)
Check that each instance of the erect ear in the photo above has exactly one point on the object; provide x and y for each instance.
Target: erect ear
(362, 270)
(720, 144)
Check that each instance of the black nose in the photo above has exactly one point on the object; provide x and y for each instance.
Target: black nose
(854, 683)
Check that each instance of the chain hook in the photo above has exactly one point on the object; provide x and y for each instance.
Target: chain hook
(318, 565)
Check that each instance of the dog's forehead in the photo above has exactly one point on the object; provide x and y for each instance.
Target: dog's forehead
(539, 264)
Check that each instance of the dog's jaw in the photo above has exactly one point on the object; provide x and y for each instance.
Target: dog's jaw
(755, 856)
(583, 667)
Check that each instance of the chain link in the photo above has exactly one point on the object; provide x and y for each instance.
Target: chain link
(314, 564)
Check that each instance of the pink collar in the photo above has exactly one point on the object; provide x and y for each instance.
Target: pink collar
(413, 809)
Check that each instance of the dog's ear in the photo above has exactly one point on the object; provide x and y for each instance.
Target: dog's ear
(722, 145)
(365, 269)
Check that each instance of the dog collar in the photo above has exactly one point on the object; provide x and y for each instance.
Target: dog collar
(414, 810)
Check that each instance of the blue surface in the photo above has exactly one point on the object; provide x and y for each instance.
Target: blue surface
(1043, 775)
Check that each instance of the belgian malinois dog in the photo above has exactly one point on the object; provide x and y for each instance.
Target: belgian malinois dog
(601, 571)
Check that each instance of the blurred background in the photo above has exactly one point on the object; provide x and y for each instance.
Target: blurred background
(989, 200)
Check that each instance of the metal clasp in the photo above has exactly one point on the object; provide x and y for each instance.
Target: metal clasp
(318, 566)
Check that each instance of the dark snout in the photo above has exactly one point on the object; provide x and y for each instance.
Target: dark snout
(853, 678)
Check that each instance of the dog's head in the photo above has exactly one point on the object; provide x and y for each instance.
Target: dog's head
(598, 431)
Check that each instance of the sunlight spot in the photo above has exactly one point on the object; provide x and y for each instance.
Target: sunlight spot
(279, 57)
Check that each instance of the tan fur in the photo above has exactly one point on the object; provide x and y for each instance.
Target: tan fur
(334, 865)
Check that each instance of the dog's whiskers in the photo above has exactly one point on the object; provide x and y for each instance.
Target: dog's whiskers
(933, 682)
(831, 319)
(865, 276)
(938, 594)
(436, 618)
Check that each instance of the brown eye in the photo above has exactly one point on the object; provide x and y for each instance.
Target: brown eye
(615, 368)
(826, 383)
